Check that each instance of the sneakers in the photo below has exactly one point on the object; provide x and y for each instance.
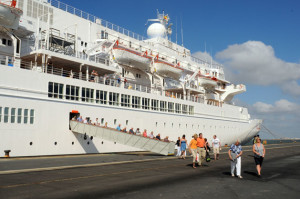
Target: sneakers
(240, 177)
(232, 175)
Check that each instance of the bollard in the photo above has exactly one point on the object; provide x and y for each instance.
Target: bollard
(6, 153)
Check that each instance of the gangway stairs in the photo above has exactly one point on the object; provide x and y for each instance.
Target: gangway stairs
(140, 142)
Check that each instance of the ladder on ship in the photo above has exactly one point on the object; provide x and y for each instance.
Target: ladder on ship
(156, 146)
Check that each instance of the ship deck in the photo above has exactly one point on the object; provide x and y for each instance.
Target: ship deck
(146, 175)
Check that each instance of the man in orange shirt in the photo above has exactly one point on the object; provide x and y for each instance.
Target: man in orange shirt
(201, 148)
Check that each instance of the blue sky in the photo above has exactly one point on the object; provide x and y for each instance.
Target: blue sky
(257, 41)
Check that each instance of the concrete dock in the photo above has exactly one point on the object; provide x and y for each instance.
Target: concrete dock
(147, 175)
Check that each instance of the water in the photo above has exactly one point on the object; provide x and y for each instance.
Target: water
(276, 141)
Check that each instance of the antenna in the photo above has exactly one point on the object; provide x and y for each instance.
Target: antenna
(181, 31)
(176, 30)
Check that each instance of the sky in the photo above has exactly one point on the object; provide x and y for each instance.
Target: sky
(257, 42)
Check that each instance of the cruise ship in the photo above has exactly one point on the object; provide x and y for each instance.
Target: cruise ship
(58, 62)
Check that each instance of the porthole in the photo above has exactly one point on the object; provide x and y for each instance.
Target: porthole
(55, 143)
(88, 143)
(72, 143)
(30, 143)
(115, 143)
(102, 142)
(91, 137)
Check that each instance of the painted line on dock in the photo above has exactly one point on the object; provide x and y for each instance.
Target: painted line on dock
(81, 165)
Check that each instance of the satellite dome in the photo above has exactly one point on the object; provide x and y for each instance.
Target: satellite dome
(156, 30)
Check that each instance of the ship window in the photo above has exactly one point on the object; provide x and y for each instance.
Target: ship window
(19, 115)
(115, 121)
(25, 116)
(6, 114)
(35, 9)
(154, 104)
(4, 41)
(55, 90)
(170, 107)
(126, 122)
(82, 43)
(136, 101)
(145, 103)
(31, 116)
(102, 34)
(191, 110)
(102, 120)
(113, 98)
(125, 100)
(137, 75)
(0, 113)
(12, 115)
(163, 106)
(178, 108)
(87, 95)
(101, 97)
(9, 42)
(72, 92)
(184, 109)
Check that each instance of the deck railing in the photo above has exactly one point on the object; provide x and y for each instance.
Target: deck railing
(107, 80)
(94, 19)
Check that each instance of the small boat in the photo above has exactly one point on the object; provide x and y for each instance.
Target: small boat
(131, 58)
(10, 15)
(207, 82)
(166, 69)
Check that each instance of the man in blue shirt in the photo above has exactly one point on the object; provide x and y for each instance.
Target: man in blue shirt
(235, 152)
(119, 127)
(79, 119)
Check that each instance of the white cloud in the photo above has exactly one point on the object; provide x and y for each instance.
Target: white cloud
(282, 118)
(253, 62)
(280, 106)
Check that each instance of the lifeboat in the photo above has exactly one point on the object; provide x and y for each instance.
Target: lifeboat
(131, 58)
(207, 82)
(10, 15)
(166, 69)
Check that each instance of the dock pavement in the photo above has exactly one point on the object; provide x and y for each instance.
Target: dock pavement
(147, 175)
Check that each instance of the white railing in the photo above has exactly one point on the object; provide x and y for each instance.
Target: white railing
(109, 81)
(94, 19)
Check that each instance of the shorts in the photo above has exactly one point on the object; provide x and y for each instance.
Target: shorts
(258, 160)
(216, 150)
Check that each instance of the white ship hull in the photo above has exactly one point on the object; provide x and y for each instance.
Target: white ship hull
(51, 119)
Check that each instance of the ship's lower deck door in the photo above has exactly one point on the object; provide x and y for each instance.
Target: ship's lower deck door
(73, 114)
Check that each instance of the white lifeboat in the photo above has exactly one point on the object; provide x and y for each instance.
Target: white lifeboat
(131, 58)
(207, 82)
(10, 15)
(166, 69)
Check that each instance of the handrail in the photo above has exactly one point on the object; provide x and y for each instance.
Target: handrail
(94, 19)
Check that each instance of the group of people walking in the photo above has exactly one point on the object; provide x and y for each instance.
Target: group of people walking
(199, 146)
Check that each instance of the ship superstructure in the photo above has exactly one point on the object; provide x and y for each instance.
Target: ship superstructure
(60, 60)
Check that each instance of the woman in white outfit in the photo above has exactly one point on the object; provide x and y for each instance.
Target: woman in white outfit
(235, 152)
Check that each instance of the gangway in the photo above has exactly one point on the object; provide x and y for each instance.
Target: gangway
(140, 142)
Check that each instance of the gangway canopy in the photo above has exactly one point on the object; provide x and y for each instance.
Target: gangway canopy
(156, 146)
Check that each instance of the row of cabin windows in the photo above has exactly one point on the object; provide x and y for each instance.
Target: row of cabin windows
(56, 90)
(16, 115)
(6, 42)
